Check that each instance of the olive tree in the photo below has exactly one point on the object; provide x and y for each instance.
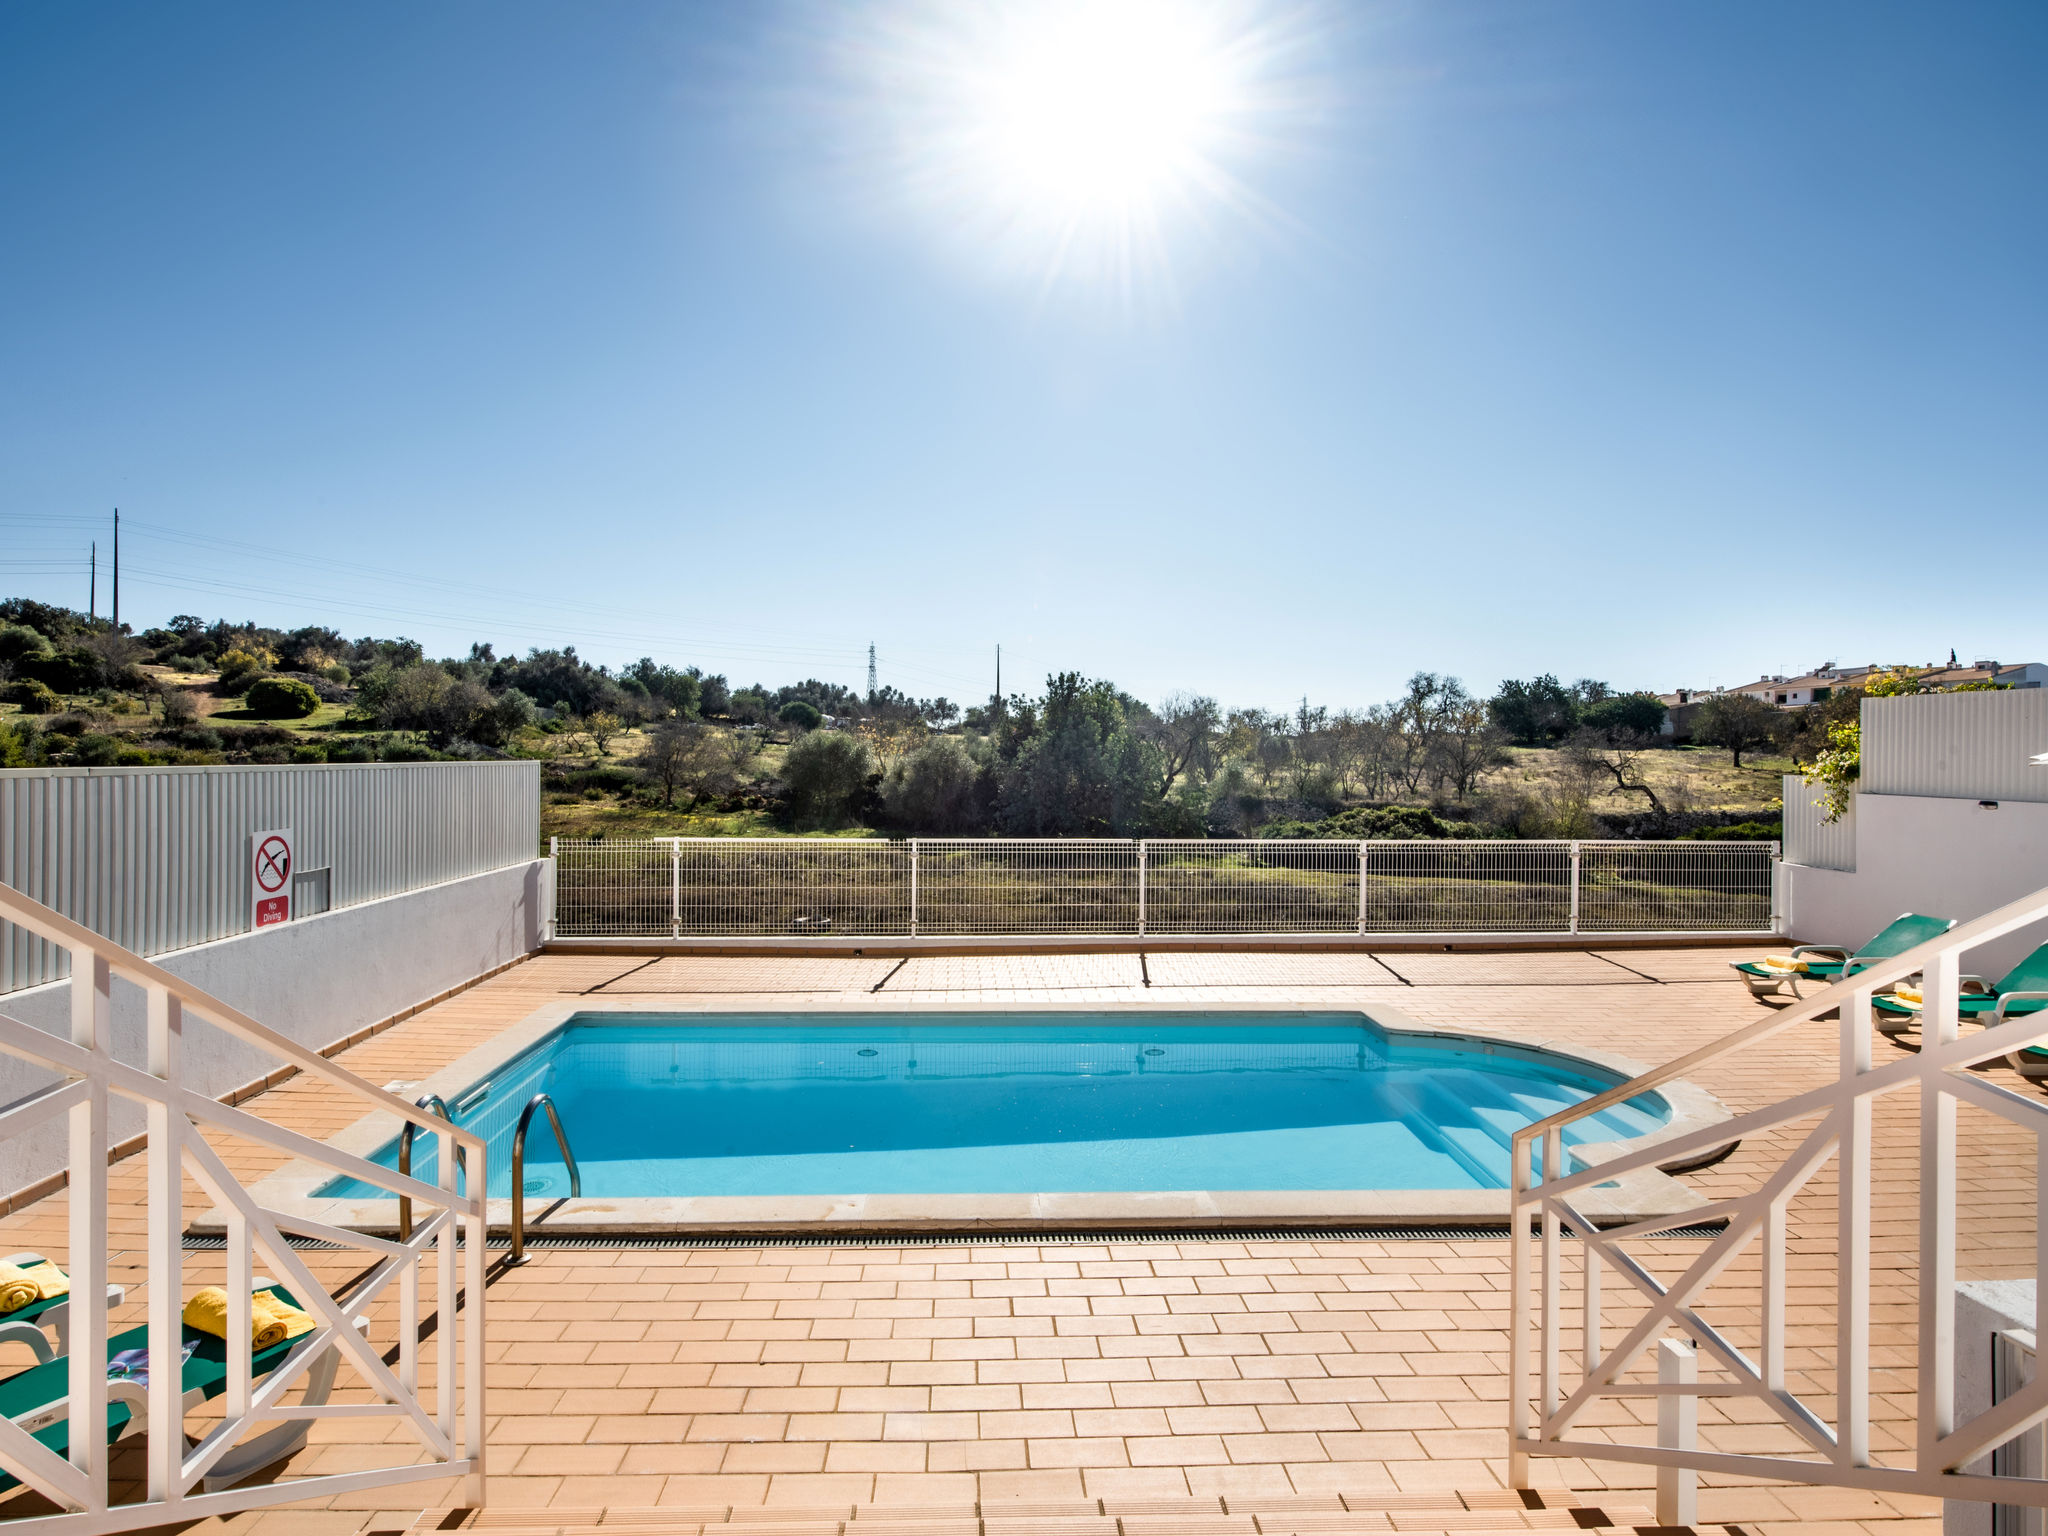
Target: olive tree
(827, 774)
(934, 788)
(1738, 722)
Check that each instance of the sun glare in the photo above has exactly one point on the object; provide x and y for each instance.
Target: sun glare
(1102, 105)
(1076, 139)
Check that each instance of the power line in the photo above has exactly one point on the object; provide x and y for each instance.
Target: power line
(719, 643)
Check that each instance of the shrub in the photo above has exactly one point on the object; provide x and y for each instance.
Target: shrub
(398, 750)
(799, 716)
(619, 781)
(71, 670)
(20, 643)
(1625, 715)
(34, 697)
(238, 669)
(828, 775)
(1837, 769)
(337, 674)
(311, 752)
(935, 788)
(1739, 832)
(1385, 822)
(282, 698)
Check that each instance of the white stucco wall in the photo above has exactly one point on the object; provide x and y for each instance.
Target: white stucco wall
(1983, 1308)
(1947, 858)
(318, 981)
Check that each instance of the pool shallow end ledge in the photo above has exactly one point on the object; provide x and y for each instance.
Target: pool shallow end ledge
(291, 1190)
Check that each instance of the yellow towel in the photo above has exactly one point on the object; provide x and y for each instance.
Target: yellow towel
(295, 1322)
(271, 1321)
(1907, 996)
(1783, 963)
(24, 1286)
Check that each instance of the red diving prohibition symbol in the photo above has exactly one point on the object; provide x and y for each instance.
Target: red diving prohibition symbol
(273, 864)
(270, 869)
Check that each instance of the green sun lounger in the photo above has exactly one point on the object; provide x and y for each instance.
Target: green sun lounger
(25, 1325)
(1828, 962)
(38, 1399)
(2023, 989)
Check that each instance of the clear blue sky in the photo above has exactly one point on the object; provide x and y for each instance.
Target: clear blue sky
(1663, 343)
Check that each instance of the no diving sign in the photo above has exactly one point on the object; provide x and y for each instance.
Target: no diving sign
(270, 878)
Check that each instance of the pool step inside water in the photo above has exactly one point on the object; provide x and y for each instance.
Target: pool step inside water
(988, 1104)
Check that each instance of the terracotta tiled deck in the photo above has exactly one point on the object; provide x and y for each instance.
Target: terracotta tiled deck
(1100, 1381)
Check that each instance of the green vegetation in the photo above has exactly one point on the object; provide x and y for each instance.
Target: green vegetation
(653, 749)
(282, 698)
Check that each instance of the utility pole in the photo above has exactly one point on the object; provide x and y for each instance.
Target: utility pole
(871, 669)
(999, 677)
(117, 570)
(92, 591)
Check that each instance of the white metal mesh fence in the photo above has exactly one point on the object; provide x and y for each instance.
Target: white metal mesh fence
(972, 887)
(1638, 887)
(969, 886)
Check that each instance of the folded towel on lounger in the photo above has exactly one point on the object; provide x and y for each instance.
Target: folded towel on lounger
(24, 1286)
(271, 1321)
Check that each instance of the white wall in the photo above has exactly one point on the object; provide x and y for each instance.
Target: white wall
(1914, 853)
(318, 980)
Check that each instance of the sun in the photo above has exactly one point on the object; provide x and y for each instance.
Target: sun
(1077, 140)
(1091, 108)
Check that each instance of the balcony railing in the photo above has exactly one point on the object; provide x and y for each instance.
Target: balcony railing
(1720, 1332)
(64, 1448)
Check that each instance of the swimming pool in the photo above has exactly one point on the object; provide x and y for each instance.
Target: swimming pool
(792, 1104)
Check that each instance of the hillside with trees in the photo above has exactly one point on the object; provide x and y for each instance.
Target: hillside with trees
(656, 749)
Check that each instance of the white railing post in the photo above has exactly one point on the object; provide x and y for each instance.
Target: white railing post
(166, 1233)
(675, 888)
(1548, 1357)
(913, 887)
(554, 897)
(475, 1239)
(1364, 869)
(1575, 887)
(1940, 989)
(1518, 1311)
(1678, 1424)
(92, 985)
(1852, 1237)
(1142, 849)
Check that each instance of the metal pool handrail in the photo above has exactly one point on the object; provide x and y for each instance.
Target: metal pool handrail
(538, 1101)
(439, 1106)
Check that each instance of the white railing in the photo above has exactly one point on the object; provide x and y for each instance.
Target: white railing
(1742, 1349)
(683, 887)
(445, 1413)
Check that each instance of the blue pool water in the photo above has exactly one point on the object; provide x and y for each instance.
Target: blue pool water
(892, 1104)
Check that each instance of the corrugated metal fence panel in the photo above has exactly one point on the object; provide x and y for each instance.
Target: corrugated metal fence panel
(1810, 840)
(157, 858)
(1959, 746)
